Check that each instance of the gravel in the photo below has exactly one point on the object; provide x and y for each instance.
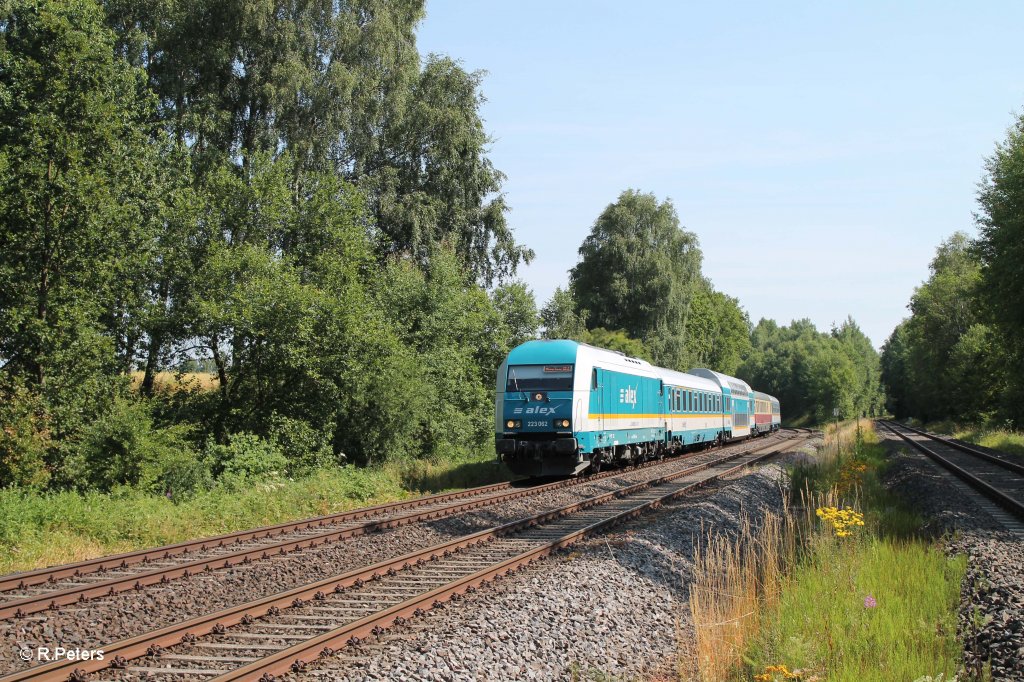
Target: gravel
(991, 610)
(615, 605)
(93, 624)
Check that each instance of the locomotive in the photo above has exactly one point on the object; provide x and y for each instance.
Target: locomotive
(563, 408)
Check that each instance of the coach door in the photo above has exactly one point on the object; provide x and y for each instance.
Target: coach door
(597, 392)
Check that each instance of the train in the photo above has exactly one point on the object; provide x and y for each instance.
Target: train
(564, 408)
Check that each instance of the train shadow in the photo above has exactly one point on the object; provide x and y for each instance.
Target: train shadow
(425, 478)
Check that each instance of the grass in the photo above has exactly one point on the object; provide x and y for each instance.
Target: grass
(42, 529)
(998, 439)
(806, 596)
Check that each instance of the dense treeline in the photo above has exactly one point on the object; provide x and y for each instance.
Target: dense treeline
(960, 354)
(638, 288)
(291, 198)
(290, 193)
(813, 373)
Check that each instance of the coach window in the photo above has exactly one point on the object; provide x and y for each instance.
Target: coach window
(593, 379)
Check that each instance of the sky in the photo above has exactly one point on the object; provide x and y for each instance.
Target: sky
(820, 151)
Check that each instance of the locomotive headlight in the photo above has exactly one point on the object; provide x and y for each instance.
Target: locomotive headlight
(510, 424)
(562, 423)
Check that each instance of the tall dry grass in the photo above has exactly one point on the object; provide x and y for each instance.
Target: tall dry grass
(736, 580)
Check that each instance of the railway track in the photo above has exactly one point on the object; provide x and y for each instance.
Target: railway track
(999, 478)
(31, 592)
(291, 629)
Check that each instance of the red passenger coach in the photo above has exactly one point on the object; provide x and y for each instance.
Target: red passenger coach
(767, 415)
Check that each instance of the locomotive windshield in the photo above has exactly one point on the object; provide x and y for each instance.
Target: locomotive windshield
(539, 378)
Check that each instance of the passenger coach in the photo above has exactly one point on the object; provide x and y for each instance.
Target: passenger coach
(563, 407)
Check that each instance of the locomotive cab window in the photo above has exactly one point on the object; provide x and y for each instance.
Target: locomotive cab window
(539, 378)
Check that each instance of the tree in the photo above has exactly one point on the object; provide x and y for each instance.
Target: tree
(617, 340)
(812, 373)
(943, 362)
(78, 205)
(518, 309)
(868, 396)
(1001, 247)
(560, 319)
(342, 88)
(637, 265)
(717, 333)
(638, 272)
(431, 181)
(896, 373)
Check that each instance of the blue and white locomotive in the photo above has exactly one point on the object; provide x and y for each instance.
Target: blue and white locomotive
(563, 407)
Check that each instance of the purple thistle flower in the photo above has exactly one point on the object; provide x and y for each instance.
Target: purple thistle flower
(869, 602)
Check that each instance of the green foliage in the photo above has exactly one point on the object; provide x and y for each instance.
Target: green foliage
(435, 182)
(305, 447)
(1001, 250)
(638, 272)
(614, 339)
(78, 207)
(448, 325)
(959, 355)
(24, 439)
(245, 459)
(811, 373)
(518, 309)
(560, 317)
(944, 361)
(717, 332)
(123, 447)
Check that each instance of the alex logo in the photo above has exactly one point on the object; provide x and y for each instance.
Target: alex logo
(535, 410)
(627, 396)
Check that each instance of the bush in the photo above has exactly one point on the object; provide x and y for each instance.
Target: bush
(24, 439)
(245, 459)
(305, 448)
(124, 448)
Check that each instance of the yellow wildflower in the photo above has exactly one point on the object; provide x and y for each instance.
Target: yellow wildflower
(841, 520)
(771, 671)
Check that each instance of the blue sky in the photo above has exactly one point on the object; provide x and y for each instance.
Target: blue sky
(819, 150)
